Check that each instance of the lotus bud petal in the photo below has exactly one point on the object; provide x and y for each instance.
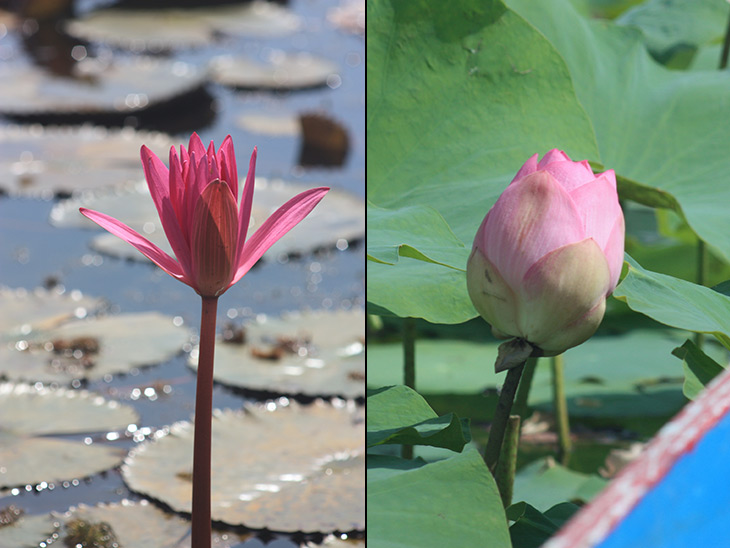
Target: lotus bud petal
(548, 253)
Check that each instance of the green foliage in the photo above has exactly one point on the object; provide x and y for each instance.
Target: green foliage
(532, 528)
(699, 368)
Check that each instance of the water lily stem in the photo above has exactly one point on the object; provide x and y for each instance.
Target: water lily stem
(501, 416)
(409, 366)
(201, 527)
(523, 390)
(560, 406)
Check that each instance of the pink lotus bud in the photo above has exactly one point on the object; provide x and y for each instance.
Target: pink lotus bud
(548, 254)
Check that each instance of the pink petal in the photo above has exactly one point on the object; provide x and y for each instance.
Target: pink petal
(531, 218)
(227, 163)
(147, 248)
(196, 145)
(530, 166)
(614, 252)
(599, 207)
(571, 175)
(553, 155)
(213, 171)
(244, 210)
(278, 224)
(157, 176)
(177, 191)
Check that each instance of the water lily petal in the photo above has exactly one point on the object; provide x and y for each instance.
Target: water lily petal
(227, 163)
(278, 224)
(520, 228)
(553, 155)
(158, 180)
(572, 175)
(614, 252)
(147, 248)
(244, 210)
(196, 145)
(598, 206)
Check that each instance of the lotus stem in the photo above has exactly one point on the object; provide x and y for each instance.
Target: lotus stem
(504, 474)
(725, 47)
(201, 515)
(409, 366)
(501, 416)
(523, 390)
(560, 406)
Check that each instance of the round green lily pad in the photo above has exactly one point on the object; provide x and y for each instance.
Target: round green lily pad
(26, 311)
(93, 348)
(283, 468)
(30, 415)
(136, 524)
(282, 71)
(115, 86)
(45, 162)
(340, 216)
(164, 29)
(27, 531)
(311, 353)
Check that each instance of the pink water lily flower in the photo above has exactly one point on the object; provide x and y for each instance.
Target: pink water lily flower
(548, 253)
(197, 200)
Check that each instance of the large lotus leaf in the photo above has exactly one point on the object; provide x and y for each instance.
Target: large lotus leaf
(139, 524)
(117, 87)
(450, 502)
(28, 415)
(459, 97)
(28, 531)
(656, 127)
(93, 348)
(52, 161)
(27, 311)
(340, 217)
(673, 25)
(400, 415)
(332, 541)
(312, 353)
(293, 468)
(161, 29)
(676, 302)
(283, 71)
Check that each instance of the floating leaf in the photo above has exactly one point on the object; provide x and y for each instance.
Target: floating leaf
(27, 531)
(93, 348)
(27, 311)
(140, 524)
(699, 368)
(163, 29)
(348, 16)
(275, 125)
(312, 353)
(116, 87)
(282, 71)
(291, 468)
(532, 528)
(341, 216)
(39, 161)
(544, 483)
(29, 415)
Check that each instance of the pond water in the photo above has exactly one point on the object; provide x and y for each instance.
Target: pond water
(33, 253)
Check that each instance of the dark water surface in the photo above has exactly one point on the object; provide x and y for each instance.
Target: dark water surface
(32, 251)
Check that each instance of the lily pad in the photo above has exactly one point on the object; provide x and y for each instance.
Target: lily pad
(311, 353)
(283, 468)
(273, 124)
(163, 29)
(340, 216)
(29, 415)
(282, 71)
(45, 162)
(93, 348)
(348, 16)
(102, 87)
(26, 531)
(26, 311)
(139, 524)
